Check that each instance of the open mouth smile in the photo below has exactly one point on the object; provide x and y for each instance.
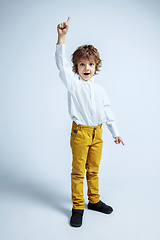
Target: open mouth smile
(86, 74)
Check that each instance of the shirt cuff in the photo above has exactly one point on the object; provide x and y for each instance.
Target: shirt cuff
(113, 129)
(60, 48)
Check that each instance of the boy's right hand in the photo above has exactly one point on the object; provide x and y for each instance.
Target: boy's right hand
(62, 28)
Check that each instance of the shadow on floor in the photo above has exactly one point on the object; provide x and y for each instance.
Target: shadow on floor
(49, 194)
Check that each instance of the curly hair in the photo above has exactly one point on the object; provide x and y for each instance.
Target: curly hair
(86, 51)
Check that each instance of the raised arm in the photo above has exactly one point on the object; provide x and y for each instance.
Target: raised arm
(62, 29)
(65, 69)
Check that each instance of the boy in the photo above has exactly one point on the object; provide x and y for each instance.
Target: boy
(89, 108)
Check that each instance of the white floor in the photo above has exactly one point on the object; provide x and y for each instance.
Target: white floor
(39, 210)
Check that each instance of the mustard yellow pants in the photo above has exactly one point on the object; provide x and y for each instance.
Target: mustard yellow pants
(86, 144)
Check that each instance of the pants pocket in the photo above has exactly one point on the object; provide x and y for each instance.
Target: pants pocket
(74, 134)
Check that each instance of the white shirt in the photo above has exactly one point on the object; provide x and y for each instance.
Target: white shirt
(88, 103)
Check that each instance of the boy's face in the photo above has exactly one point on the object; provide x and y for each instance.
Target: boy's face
(86, 68)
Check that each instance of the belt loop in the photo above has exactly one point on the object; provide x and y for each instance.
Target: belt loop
(79, 127)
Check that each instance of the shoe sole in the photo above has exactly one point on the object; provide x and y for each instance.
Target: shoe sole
(75, 225)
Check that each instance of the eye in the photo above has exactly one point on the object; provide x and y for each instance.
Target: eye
(82, 64)
(91, 64)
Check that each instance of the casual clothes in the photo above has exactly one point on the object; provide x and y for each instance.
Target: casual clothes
(89, 108)
(86, 143)
(88, 103)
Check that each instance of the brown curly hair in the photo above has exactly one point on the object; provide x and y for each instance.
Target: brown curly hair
(86, 51)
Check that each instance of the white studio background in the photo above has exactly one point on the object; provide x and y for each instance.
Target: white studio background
(35, 124)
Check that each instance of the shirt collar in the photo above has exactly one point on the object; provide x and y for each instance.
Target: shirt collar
(90, 80)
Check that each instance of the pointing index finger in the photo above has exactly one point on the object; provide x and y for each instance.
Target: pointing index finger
(68, 20)
(122, 142)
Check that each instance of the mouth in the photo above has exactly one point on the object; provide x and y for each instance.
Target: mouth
(86, 74)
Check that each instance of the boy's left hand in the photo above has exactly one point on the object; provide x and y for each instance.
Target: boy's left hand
(118, 140)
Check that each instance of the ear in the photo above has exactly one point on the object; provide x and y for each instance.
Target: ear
(96, 67)
(76, 67)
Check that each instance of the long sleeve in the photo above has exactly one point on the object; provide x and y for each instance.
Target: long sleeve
(110, 119)
(88, 103)
(65, 69)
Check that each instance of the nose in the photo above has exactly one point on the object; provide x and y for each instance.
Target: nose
(86, 66)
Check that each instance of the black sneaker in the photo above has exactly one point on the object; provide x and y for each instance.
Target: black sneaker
(76, 218)
(100, 207)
